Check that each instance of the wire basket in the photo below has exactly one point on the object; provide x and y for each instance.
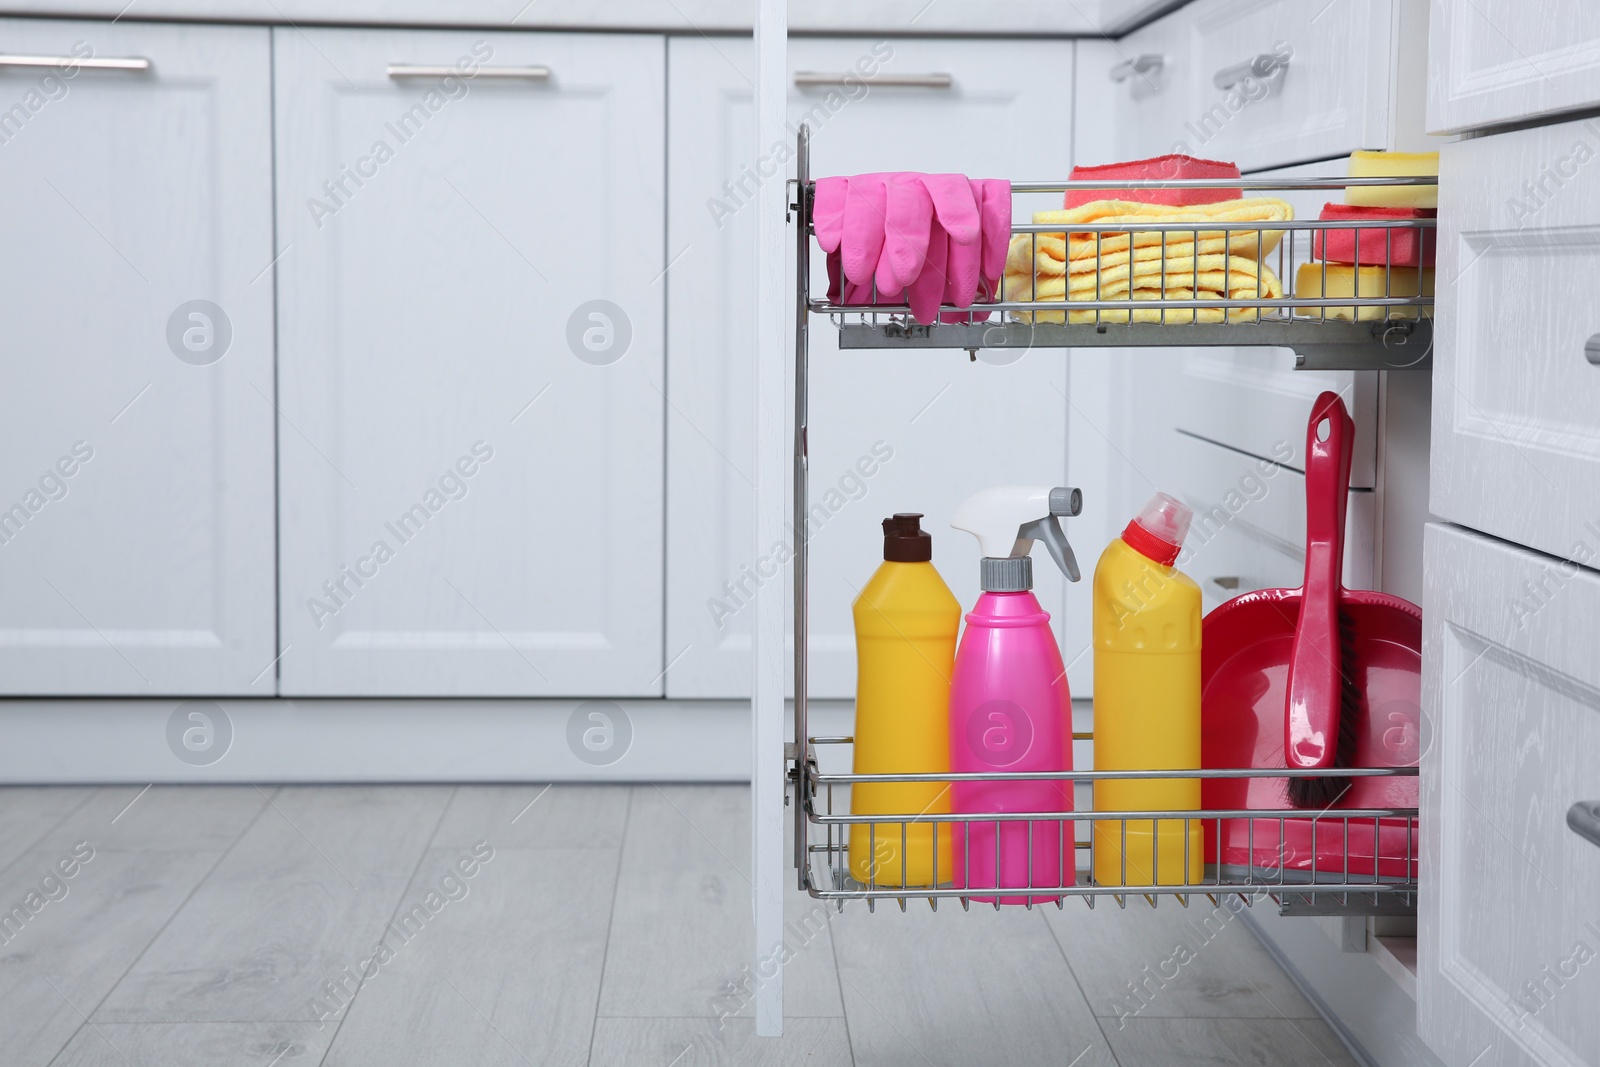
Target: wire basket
(1370, 306)
(1359, 860)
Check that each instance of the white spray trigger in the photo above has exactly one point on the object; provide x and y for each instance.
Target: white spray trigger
(1007, 519)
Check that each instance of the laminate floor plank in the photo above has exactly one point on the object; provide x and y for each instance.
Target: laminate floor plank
(302, 896)
(680, 943)
(507, 971)
(708, 1043)
(29, 812)
(71, 951)
(1172, 961)
(162, 818)
(952, 989)
(536, 816)
(1227, 1043)
(281, 1044)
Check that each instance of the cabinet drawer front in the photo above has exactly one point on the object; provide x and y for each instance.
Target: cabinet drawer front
(1330, 98)
(1131, 100)
(1510, 932)
(1516, 423)
(136, 429)
(1491, 63)
(465, 258)
(888, 431)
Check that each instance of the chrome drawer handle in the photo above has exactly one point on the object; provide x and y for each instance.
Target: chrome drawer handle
(1140, 65)
(1266, 65)
(1591, 350)
(1584, 820)
(133, 63)
(423, 70)
(812, 79)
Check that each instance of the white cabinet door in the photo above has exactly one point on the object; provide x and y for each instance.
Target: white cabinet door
(1516, 398)
(1327, 94)
(1509, 967)
(470, 363)
(1500, 61)
(136, 440)
(888, 431)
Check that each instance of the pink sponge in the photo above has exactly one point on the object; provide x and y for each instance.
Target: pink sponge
(1161, 168)
(1376, 246)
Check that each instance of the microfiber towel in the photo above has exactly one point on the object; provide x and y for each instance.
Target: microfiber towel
(1220, 277)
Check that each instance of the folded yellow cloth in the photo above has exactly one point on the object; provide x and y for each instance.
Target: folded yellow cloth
(1214, 277)
(1209, 260)
(1147, 243)
(1344, 280)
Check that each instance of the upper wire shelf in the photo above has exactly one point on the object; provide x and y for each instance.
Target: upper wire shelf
(1186, 281)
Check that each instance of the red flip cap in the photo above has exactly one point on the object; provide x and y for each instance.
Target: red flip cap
(1167, 515)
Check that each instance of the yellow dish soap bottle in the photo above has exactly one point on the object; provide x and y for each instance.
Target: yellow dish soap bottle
(1147, 700)
(906, 621)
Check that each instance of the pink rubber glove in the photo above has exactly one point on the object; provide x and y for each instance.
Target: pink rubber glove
(865, 209)
(957, 213)
(925, 294)
(880, 229)
(827, 211)
(994, 210)
(908, 218)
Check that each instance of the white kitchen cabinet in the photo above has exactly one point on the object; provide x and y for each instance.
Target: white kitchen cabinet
(470, 362)
(1503, 61)
(1511, 726)
(1516, 444)
(889, 431)
(136, 430)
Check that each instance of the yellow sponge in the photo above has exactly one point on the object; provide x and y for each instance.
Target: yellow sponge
(1344, 280)
(1394, 165)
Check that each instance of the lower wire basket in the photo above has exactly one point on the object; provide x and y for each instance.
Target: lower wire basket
(1336, 861)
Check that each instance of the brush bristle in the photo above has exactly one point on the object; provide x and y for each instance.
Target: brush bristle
(1323, 793)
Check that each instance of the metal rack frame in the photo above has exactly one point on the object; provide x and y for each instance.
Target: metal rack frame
(1397, 336)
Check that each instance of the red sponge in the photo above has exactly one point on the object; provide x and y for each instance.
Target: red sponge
(1160, 168)
(1376, 245)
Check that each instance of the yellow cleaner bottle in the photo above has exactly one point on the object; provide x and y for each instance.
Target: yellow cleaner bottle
(906, 621)
(1147, 700)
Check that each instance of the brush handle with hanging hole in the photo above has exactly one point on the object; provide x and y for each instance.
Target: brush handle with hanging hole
(1311, 709)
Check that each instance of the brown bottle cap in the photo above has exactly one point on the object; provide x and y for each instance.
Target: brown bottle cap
(904, 540)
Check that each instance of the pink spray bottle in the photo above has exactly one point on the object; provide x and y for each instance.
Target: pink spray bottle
(1009, 706)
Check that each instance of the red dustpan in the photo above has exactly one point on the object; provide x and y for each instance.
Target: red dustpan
(1249, 653)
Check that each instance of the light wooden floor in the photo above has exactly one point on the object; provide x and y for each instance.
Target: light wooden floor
(607, 926)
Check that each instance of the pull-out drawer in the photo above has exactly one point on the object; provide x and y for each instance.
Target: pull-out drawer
(1516, 414)
(1510, 741)
(1262, 83)
(1491, 63)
